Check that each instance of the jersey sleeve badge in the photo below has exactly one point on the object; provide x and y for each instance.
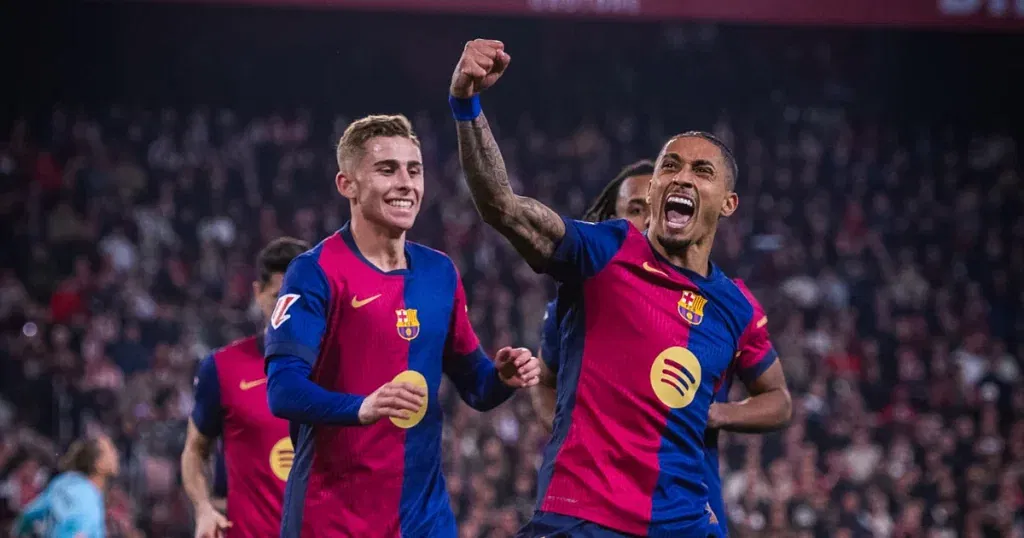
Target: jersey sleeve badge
(281, 314)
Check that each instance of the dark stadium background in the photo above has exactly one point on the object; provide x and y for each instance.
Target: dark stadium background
(892, 278)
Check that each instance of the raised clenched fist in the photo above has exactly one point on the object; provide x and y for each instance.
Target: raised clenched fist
(482, 63)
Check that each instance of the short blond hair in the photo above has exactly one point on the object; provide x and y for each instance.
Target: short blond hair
(353, 140)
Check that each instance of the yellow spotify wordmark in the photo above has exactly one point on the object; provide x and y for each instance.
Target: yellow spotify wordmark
(281, 456)
(675, 377)
(411, 377)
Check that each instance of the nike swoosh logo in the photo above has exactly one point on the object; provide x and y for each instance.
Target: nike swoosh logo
(246, 385)
(356, 303)
(650, 269)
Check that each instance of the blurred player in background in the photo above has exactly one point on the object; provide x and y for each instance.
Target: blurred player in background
(365, 325)
(231, 403)
(625, 197)
(72, 505)
(652, 331)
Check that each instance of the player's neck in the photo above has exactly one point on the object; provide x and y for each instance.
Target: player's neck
(696, 257)
(381, 247)
(99, 480)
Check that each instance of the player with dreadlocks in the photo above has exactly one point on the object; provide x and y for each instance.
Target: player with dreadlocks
(624, 197)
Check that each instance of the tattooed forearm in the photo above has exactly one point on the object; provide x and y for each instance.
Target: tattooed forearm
(532, 228)
(484, 168)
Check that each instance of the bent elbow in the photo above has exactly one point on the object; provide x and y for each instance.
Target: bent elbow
(278, 400)
(277, 407)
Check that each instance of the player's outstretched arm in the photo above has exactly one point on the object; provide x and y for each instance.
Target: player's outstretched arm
(768, 408)
(204, 426)
(533, 228)
(195, 459)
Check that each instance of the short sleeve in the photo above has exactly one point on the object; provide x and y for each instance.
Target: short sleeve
(549, 341)
(462, 340)
(756, 353)
(297, 325)
(207, 413)
(586, 248)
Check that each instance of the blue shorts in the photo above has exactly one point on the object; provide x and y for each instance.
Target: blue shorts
(549, 525)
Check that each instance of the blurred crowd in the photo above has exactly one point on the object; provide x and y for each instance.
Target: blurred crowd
(888, 254)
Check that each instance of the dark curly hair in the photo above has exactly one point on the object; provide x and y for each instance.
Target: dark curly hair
(603, 207)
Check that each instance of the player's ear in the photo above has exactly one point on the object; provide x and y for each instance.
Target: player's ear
(729, 205)
(346, 185)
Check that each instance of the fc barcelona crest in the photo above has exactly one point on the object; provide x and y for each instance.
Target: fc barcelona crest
(408, 324)
(691, 307)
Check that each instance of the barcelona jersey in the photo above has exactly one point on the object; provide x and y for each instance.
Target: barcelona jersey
(712, 475)
(645, 348)
(231, 403)
(551, 353)
(359, 328)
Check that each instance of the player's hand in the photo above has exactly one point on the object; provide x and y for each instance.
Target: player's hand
(482, 63)
(211, 523)
(714, 417)
(517, 367)
(718, 415)
(398, 400)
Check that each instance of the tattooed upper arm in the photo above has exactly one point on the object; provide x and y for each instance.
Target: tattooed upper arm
(533, 228)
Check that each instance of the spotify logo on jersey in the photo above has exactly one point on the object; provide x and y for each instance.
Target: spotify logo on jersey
(413, 378)
(675, 377)
(281, 456)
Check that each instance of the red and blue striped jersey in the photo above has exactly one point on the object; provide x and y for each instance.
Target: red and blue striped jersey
(231, 403)
(551, 352)
(360, 328)
(645, 348)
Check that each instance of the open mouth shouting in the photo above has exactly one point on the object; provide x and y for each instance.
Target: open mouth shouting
(679, 211)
